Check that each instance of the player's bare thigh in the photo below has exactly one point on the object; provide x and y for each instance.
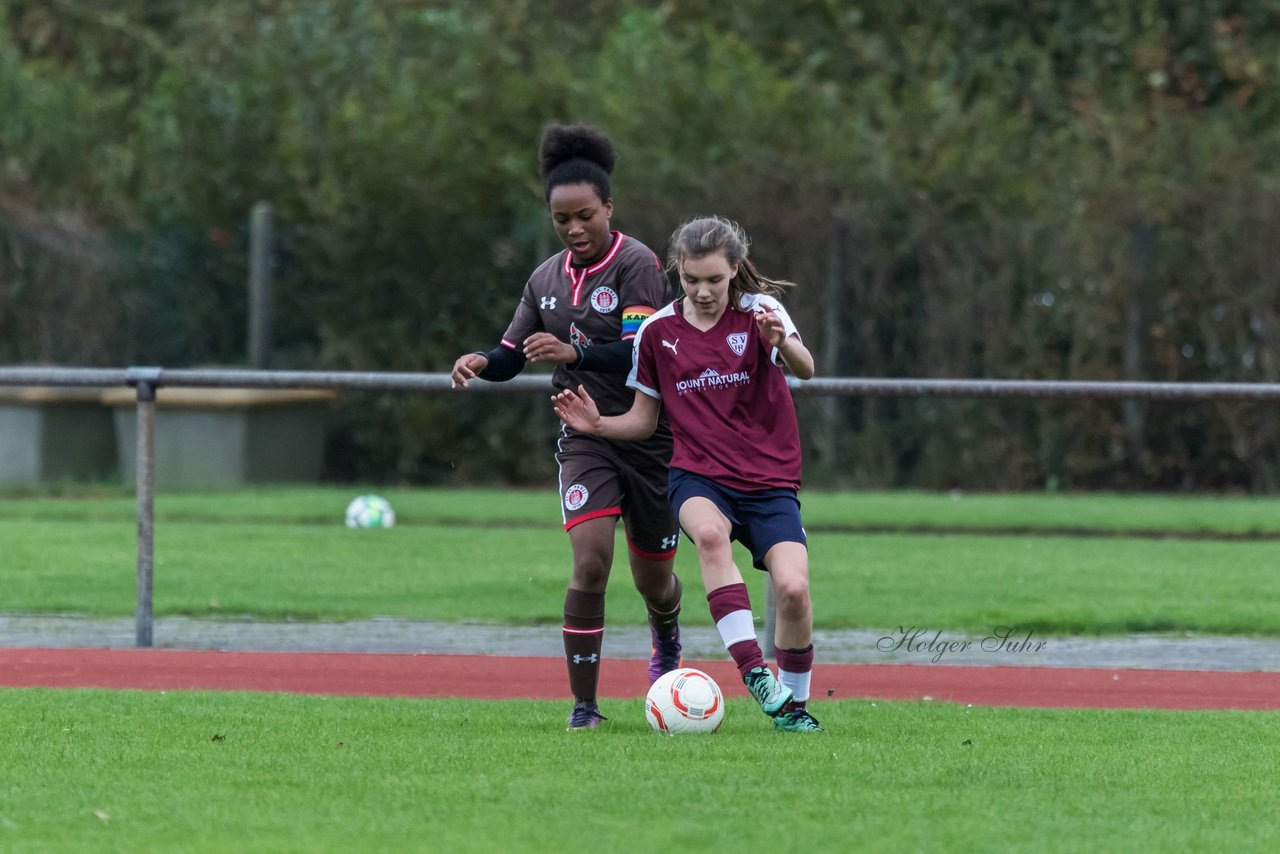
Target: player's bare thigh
(709, 529)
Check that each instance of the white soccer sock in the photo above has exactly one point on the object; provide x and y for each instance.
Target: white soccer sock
(797, 682)
(736, 627)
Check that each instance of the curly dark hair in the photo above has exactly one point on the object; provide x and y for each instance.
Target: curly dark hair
(576, 154)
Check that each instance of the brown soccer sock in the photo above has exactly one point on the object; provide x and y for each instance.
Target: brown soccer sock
(583, 638)
(664, 616)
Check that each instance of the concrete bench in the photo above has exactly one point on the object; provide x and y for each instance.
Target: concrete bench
(226, 437)
(55, 434)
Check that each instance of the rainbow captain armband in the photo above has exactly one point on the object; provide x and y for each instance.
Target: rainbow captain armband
(632, 317)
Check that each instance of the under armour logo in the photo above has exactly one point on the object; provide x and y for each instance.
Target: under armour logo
(671, 541)
(590, 659)
(672, 345)
(547, 303)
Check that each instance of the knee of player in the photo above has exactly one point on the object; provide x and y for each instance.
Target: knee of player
(708, 529)
(590, 570)
(791, 592)
(652, 587)
(709, 538)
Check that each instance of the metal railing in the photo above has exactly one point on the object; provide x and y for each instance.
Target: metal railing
(148, 380)
(841, 386)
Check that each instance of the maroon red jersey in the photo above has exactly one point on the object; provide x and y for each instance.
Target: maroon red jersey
(724, 393)
(599, 304)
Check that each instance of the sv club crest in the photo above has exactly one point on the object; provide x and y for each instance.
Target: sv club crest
(738, 342)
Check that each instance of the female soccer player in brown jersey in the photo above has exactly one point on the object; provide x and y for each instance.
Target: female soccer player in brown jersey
(581, 308)
(713, 361)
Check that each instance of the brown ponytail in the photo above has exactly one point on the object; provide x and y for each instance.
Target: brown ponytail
(703, 236)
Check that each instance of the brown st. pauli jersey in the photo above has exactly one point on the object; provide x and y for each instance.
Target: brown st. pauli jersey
(599, 304)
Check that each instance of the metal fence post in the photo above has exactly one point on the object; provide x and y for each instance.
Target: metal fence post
(770, 617)
(261, 298)
(145, 380)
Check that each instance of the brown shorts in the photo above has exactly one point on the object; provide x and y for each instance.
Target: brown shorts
(628, 479)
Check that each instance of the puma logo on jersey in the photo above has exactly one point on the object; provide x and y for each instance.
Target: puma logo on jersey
(671, 345)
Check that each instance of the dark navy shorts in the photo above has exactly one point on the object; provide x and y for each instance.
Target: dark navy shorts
(760, 520)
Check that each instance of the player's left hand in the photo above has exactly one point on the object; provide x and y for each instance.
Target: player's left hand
(578, 411)
(770, 326)
(545, 347)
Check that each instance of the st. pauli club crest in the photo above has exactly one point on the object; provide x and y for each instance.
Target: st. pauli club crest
(604, 300)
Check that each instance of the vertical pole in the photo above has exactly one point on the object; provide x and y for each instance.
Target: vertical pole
(836, 293)
(261, 299)
(770, 617)
(146, 508)
(1146, 251)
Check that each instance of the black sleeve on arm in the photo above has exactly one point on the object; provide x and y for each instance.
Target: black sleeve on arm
(613, 358)
(504, 363)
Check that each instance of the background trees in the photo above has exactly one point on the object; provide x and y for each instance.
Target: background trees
(990, 189)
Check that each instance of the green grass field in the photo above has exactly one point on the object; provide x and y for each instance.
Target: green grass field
(283, 553)
(201, 771)
(823, 511)
(126, 771)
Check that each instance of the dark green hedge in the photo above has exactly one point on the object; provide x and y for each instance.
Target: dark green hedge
(1019, 189)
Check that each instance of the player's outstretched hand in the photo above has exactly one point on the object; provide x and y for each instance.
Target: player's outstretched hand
(545, 347)
(578, 411)
(770, 326)
(466, 369)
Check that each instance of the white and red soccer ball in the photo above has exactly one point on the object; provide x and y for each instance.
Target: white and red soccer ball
(684, 700)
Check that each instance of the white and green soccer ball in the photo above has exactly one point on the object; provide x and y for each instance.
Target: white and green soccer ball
(370, 511)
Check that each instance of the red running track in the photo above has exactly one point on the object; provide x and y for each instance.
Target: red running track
(502, 677)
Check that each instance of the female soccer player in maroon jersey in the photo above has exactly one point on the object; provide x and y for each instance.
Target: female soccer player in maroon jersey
(713, 360)
(580, 309)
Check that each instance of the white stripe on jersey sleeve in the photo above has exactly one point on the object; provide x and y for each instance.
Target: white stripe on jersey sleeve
(667, 310)
(760, 302)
